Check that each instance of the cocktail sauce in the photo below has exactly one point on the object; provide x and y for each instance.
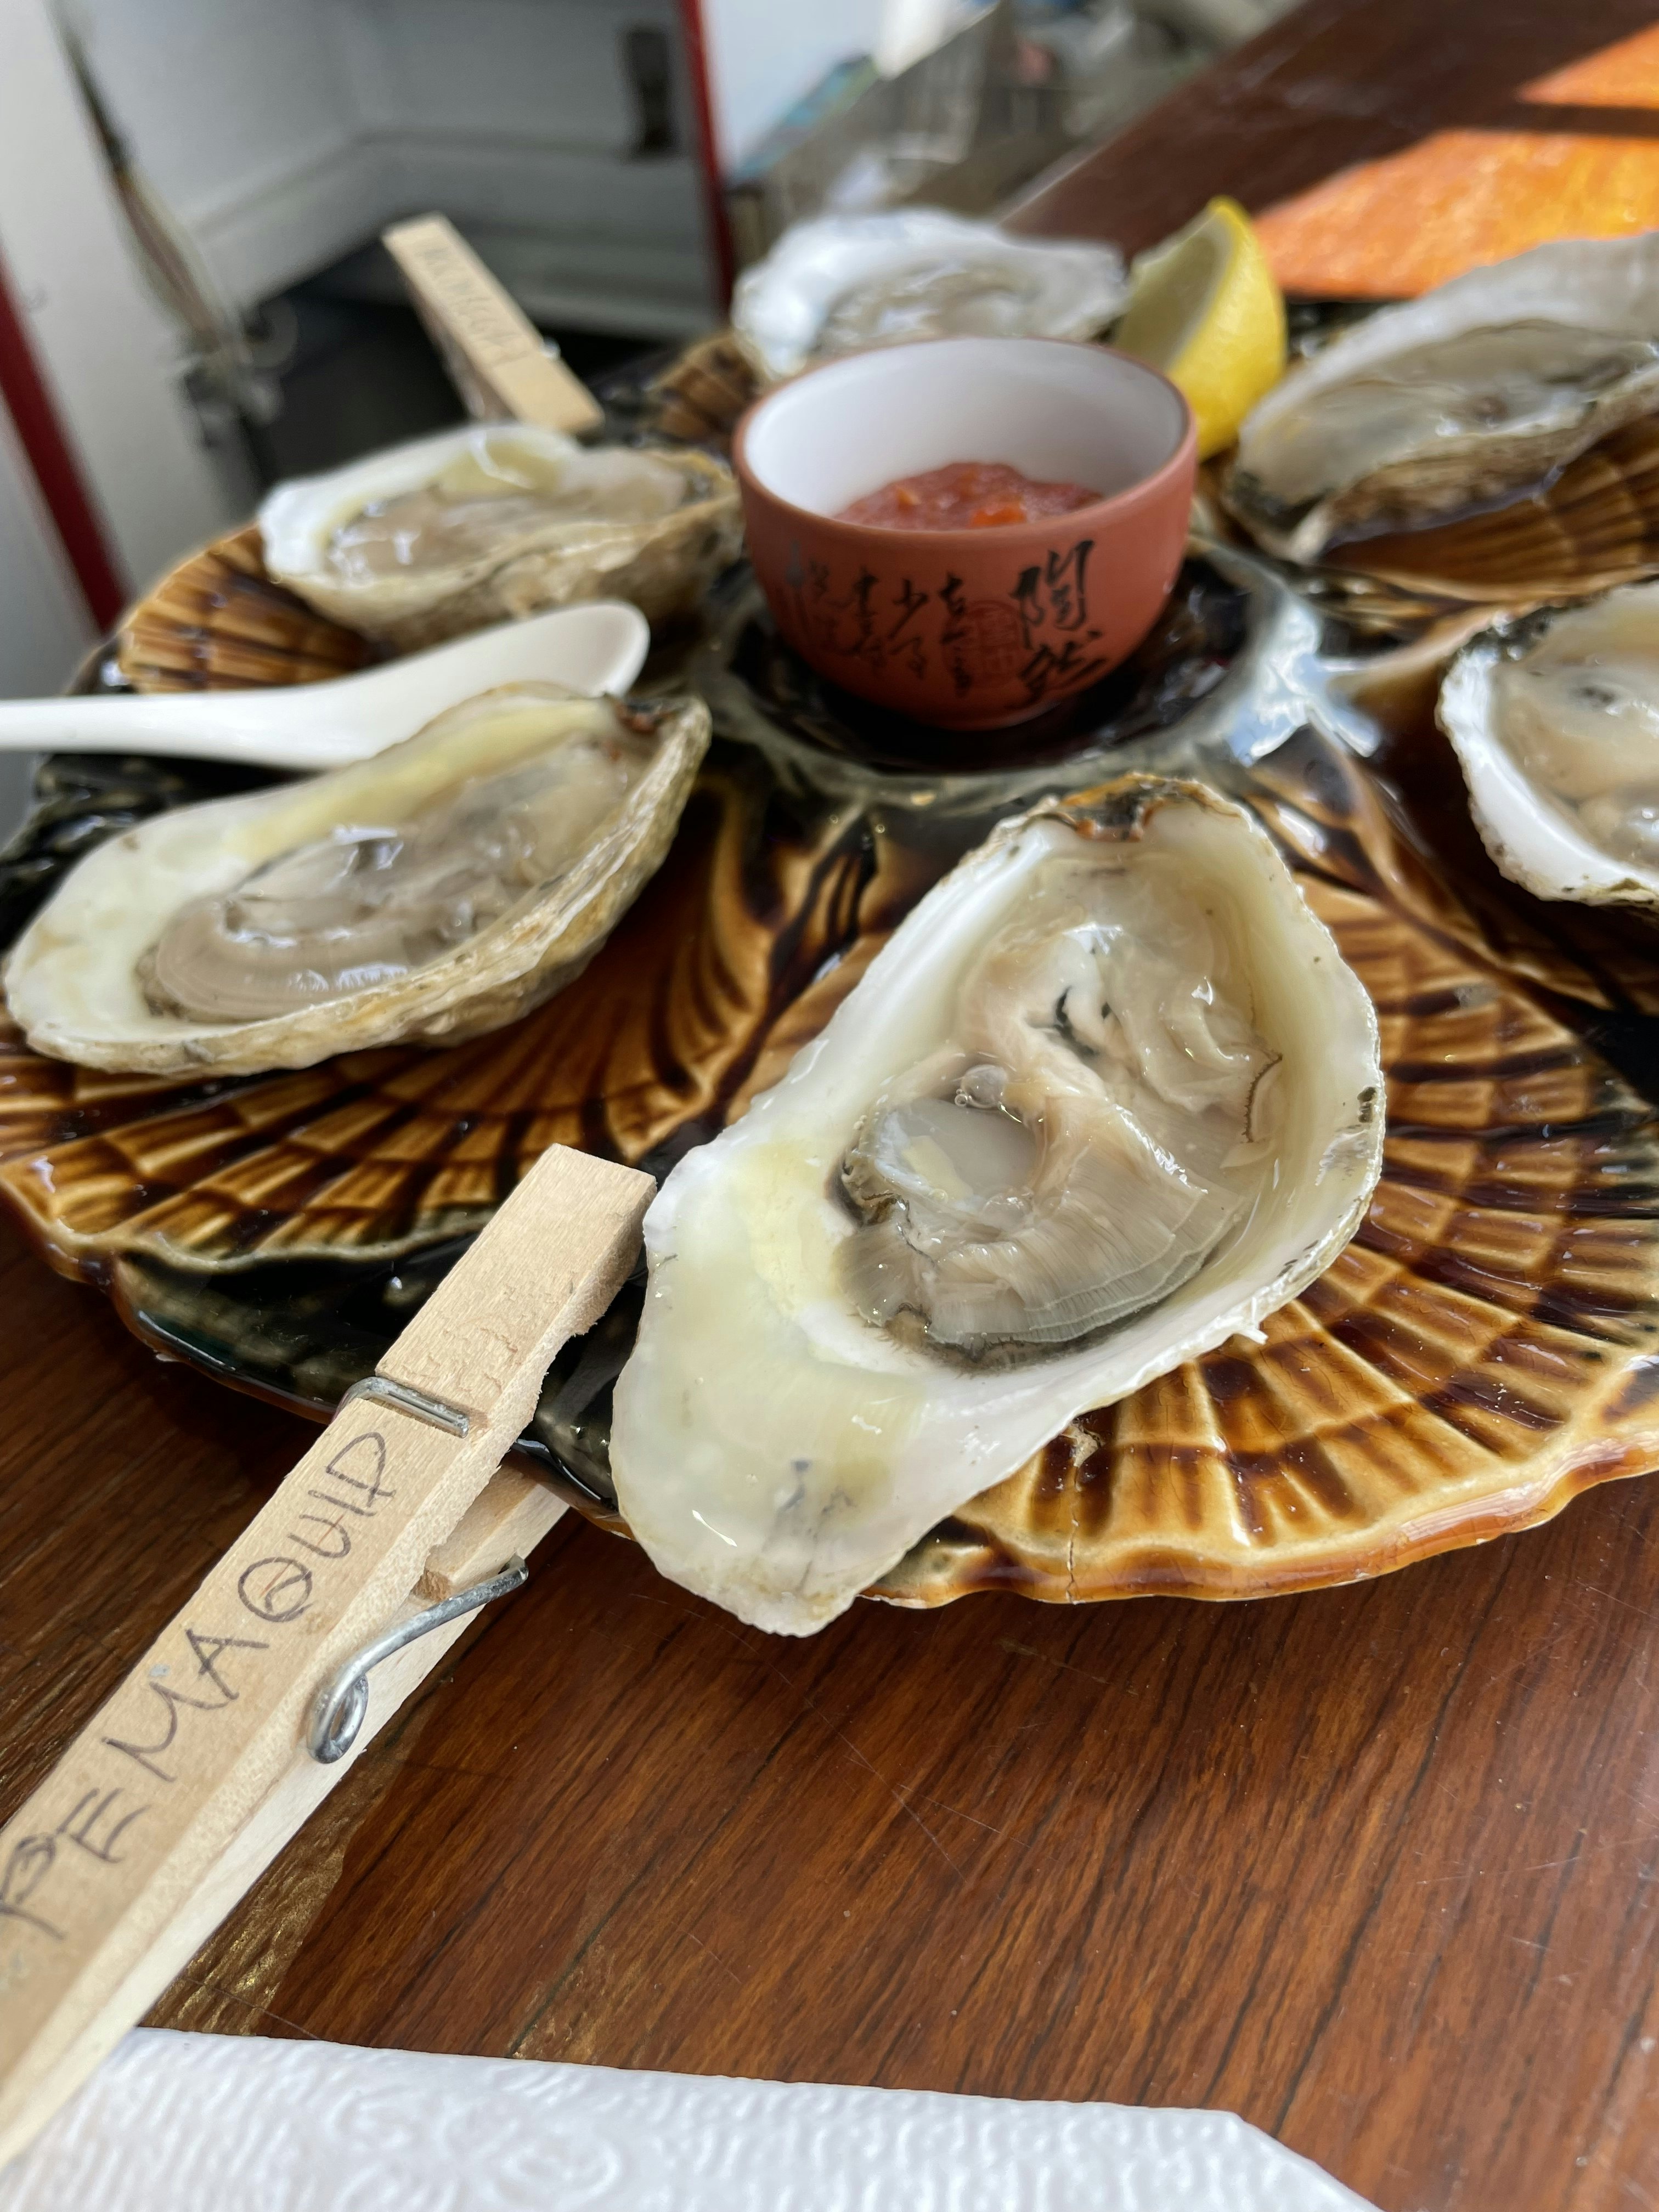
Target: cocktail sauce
(966, 495)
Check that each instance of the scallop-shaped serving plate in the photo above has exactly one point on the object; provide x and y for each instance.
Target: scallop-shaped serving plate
(1594, 525)
(1487, 1346)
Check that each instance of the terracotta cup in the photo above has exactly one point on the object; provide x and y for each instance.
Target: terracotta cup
(967, 628)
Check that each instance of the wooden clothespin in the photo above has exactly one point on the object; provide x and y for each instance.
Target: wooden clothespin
(247, 1707)
(498, 360)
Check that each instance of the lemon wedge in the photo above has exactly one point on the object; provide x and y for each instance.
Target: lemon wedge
(1204, 308)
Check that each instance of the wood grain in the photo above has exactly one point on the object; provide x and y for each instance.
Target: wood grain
(1375, 1867)
(112, 1855)
(491, 347)
(1333, 83)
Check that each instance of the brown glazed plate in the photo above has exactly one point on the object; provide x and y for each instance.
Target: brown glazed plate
(1486, 1347)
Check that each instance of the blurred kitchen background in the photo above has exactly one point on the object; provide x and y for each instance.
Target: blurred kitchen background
(192, 299)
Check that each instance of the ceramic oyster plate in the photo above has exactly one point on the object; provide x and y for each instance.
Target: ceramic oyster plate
(1484, 1349)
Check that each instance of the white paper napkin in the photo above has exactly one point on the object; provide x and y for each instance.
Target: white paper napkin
(232, 2123)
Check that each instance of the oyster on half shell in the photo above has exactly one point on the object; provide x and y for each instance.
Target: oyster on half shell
(843, 283)
(1472, 396)
(436, 891)
(1109, 1096)
(497, 520)
(1554, 717)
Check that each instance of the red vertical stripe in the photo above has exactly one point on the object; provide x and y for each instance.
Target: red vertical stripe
(24, 391)
(720, 230)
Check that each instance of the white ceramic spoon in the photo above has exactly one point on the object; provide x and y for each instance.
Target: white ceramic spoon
(594, 647)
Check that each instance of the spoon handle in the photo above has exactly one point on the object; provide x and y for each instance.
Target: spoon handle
(223, 725)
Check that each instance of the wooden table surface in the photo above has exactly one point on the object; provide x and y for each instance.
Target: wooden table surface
(1336, 82)
(1374, 1868)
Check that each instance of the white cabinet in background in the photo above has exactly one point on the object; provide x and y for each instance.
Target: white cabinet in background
(283, 134)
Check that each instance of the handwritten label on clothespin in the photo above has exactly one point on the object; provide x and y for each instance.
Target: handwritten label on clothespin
(497, 355)
(164, 1786)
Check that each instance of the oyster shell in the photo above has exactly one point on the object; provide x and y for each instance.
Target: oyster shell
(1466, 398)
(841, 283)
(1555, 721)
(1595, 523)
(434, 892)
(1109, 1096)
(426, 541)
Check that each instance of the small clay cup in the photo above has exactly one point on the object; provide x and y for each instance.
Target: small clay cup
(968, 629)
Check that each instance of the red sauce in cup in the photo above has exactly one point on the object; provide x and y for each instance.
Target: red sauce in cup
(966, 495)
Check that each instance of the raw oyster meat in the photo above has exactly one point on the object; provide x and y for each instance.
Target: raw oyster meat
(429, 894)
(498, 519)
(1471, 397)
(1555, 721)
(1108, 1097)
(841, 283)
